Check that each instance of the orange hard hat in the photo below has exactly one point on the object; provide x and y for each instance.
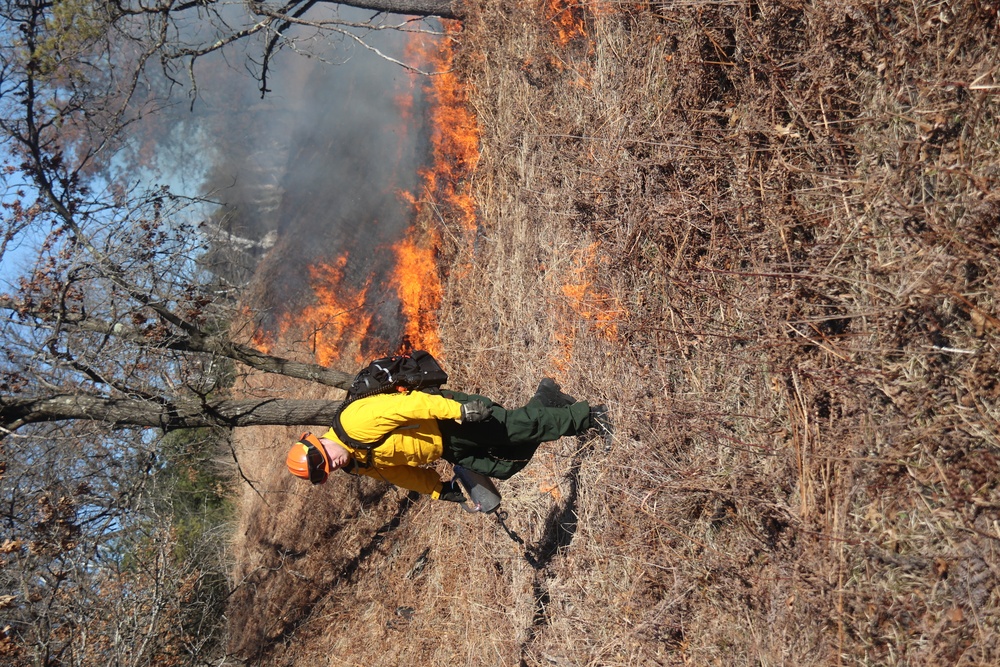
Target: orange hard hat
(308, 459)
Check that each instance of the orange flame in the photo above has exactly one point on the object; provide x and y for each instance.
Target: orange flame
(568, 20)
(337, 322)
(336, 325)
(261, 339)
(454, 155)
(587, 305)
(418, 285)
(454, 132)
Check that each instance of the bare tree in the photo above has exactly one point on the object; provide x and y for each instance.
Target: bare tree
(88, 576)
(281, 25)
(116, 295)
(114, 333)
(169, 25)
(448, 9)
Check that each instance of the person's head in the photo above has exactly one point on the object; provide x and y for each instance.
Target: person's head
(309, 459)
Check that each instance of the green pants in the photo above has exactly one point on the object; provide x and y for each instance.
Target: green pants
(502, 445)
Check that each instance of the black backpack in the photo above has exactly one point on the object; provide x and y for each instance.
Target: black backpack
(417, 371)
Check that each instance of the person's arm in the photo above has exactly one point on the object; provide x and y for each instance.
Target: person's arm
(368, 419)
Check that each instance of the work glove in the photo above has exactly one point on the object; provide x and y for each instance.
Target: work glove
(475, 411)
(452, 492)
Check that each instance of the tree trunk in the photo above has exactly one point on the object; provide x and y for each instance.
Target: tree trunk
(447, 9)
(269, 363)
(183, 413)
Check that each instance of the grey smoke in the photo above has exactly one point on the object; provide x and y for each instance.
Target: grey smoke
(316, 166)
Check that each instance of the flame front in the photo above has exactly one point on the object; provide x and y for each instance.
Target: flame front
(418, 285)
(454, 155)
(586, 307)
(454, 133)
(338, 324)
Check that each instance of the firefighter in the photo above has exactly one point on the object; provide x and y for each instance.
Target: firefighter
(393, 436)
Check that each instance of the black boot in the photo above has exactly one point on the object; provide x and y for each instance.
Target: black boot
(550, 395)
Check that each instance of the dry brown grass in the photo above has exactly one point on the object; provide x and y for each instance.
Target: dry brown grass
(768, 234)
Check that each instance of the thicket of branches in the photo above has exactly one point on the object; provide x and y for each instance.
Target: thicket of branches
(115, 334)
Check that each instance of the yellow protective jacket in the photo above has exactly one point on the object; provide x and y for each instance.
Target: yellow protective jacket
(415, 439)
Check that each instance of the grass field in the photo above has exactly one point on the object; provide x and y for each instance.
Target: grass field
(767, 235)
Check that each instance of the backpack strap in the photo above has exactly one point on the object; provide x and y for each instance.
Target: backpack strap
(357, 445)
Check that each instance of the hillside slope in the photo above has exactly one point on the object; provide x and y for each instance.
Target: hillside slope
(766, 235)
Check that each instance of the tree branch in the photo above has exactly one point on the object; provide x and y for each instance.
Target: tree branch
(16, 412)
